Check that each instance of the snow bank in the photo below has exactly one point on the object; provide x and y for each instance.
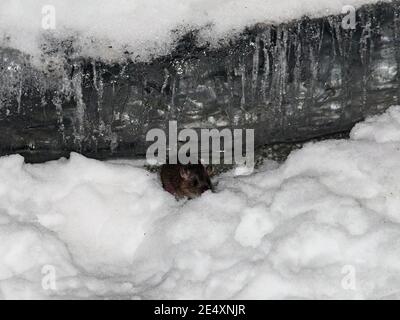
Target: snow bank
(325, 224)
(105, 29)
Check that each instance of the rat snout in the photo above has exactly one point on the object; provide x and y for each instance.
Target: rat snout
(205, 188)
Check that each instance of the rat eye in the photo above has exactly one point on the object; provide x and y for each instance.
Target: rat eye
(195, 182)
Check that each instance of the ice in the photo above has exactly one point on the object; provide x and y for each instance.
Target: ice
(289, 81)
(295, 230)
(105, 29)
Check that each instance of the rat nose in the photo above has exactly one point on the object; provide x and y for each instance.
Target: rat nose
(205, 188)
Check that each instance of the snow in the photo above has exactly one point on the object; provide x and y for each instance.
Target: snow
(324, 224)
(106, 29)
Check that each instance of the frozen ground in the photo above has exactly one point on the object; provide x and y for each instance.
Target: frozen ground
(324, 224)
(106, 29)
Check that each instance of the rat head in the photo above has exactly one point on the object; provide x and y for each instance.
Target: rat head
(195, 180)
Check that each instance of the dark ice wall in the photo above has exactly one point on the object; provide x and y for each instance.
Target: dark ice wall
(289, 82)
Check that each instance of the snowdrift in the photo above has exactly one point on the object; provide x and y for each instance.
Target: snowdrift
(324, 224)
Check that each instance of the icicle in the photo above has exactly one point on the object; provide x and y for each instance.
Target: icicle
(297, 66)
(166, 79)
(396, 35)
(279, 76)
(256, 59)
(265, 81)
(79, 124)
(172, 106)
(99, 86)
(60, 119)
(365, 47)
(242, 72)
(332, 21)
(344, 41)
(19, 96)
(280, 73)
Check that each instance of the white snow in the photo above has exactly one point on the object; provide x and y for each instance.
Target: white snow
(144, 27)
(324, 224)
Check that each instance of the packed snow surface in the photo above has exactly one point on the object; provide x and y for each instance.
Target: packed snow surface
(106, 29)
(324, 224)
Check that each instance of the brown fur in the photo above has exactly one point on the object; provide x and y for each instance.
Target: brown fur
(188, 181)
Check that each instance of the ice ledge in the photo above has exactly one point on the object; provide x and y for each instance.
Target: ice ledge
(290, 82)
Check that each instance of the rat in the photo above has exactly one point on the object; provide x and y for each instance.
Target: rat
(186, 181)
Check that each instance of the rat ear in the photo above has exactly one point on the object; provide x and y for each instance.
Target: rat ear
(184, 173)
(210, 170)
